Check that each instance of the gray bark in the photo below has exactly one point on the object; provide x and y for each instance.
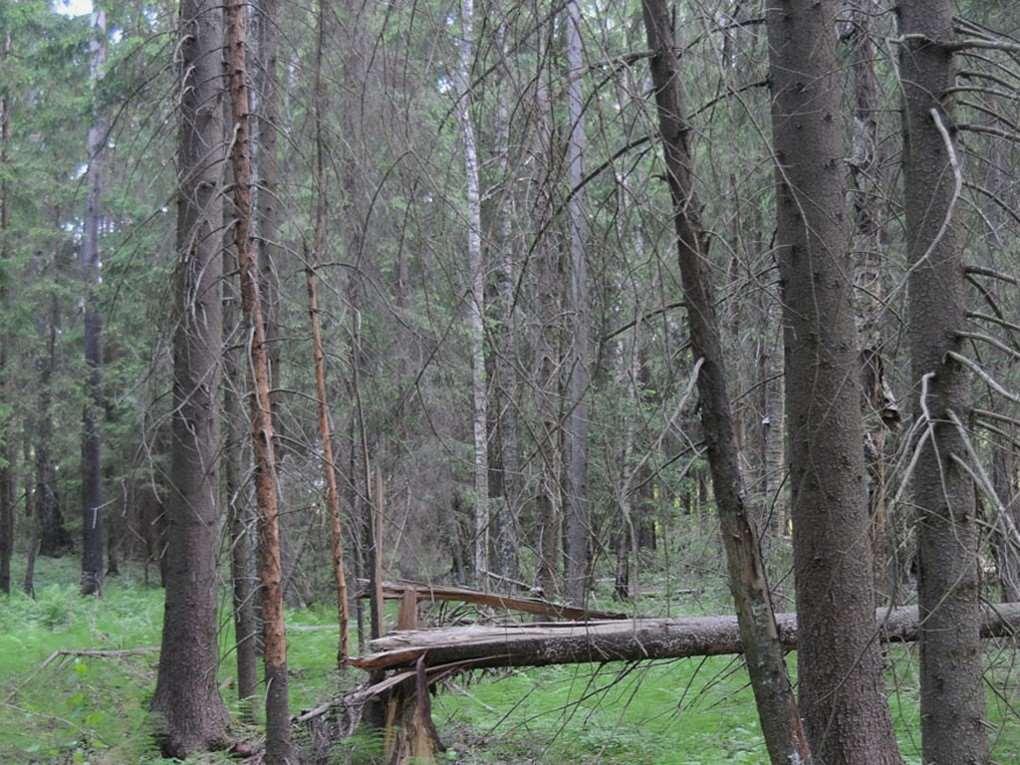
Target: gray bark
(839, 667)
(191, 714)
(952, 682)
(575, 426)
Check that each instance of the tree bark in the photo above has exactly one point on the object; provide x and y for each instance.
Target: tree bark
(193, 716)
(536, 645)
(777, 707)
(839, 666)
(278, 746)
(93, 522)
(240, 518)
(575, 424)
(476, 297)
(952, 681)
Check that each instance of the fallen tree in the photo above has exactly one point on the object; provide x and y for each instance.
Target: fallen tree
(540, 644)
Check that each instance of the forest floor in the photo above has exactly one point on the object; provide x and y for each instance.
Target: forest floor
(82, 709)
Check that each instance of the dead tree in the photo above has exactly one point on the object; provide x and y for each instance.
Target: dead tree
(278, 747)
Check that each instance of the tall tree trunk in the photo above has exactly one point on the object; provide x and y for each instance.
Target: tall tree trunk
(45, 504)
(319, 356)
(506, 515)
(92, 468)
(575, 468)
(240, 518)
(880, 412)
(777, 707)
(839, 667)
(6, 389)
(267, 219)
(193, 716)
(952, 680)
(278, 747)
(476, 296)
(547, 356)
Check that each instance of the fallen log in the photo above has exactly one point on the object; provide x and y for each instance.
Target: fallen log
(514, 645)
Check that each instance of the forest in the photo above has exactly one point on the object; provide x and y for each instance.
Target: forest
(510, 382)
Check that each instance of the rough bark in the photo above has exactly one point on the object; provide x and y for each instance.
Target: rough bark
(777, 707)
(505, 518)
(476, 295)
(541, 644)
(575, 422)
(192, 716)
(278, 746)
(93, 521)
(952, 682)
(839, 666)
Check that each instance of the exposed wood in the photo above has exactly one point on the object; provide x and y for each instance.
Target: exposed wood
(541, 644)
(377, 505)
(278, 747)
(529, 605)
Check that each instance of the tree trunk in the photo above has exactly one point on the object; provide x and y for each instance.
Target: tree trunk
(476, 297)
(777, 707)
(187, 698)
(839, 666)
(506, 516)
(575, 425)
(278, 746)
(952, 680)
(92, 470)
(6, 389)
(267, 219)
(547, 354)
(240, 518)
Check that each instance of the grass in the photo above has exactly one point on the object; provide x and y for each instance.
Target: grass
(689, 712)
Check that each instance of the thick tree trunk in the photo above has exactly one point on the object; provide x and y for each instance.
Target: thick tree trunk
(952, 679)
(93, 521)
(777, 707)
(278, 746)
(575, 424)
(187, 701)
(839, 666)
(476, 296)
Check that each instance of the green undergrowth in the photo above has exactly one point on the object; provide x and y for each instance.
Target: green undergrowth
(690, 712)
